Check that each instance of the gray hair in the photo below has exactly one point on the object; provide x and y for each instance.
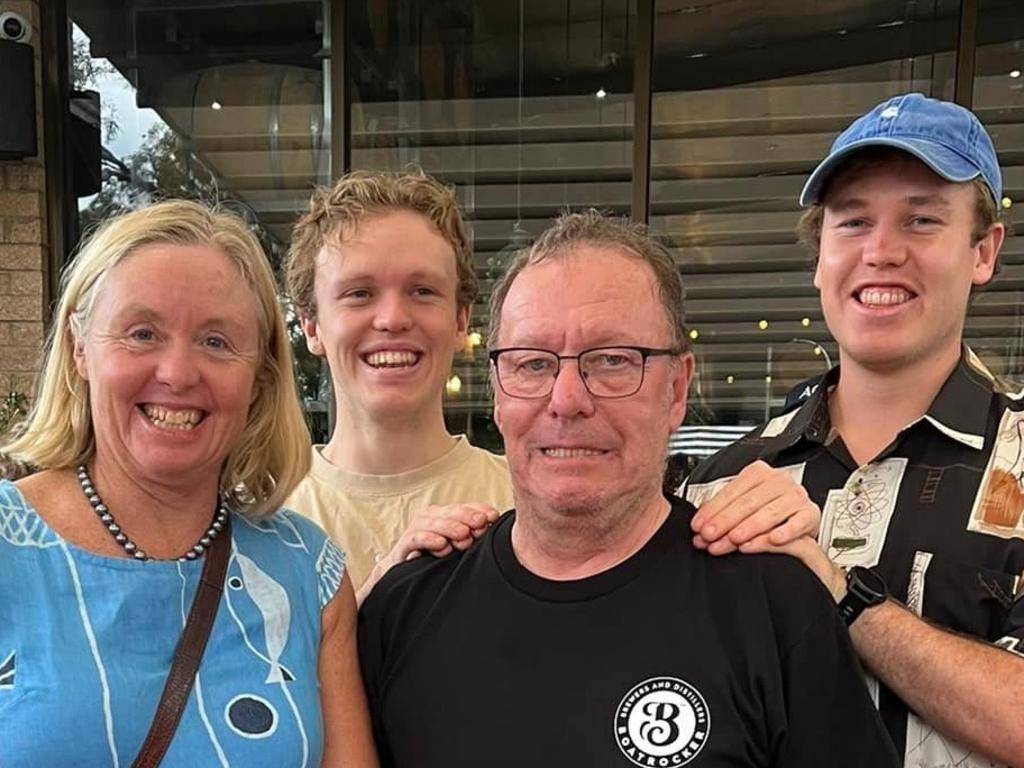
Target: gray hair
(572, 230)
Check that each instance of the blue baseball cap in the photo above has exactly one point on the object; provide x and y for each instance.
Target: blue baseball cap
(944, 136)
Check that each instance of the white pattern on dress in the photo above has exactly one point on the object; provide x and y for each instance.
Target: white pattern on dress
(200, 701)
(330, 570)
(21, 526)
(108, 716)
(298, 722)
(273, 526)
(7, 669)
(271, 601)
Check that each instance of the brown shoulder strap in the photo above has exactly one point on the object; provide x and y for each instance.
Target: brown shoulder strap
(188, 653)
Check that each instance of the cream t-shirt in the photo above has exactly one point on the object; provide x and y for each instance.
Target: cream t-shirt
(366, 514)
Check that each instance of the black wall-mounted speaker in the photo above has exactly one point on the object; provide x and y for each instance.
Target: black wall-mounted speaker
(17, 101)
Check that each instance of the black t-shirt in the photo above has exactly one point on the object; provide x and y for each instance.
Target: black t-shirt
(670, 658)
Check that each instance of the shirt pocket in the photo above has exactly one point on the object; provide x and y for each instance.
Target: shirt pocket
(968, 598)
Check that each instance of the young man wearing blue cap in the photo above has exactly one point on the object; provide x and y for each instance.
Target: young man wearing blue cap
(910, 447)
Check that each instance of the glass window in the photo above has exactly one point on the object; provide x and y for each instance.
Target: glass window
(220, 102)
(994, 323)
(525, 107)
(748, 95)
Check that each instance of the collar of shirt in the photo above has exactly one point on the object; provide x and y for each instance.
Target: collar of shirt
(959, 411)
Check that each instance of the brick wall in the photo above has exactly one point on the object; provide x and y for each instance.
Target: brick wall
(23, 246)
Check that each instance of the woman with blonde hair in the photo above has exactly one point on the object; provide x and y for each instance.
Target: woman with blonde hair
(167, 431)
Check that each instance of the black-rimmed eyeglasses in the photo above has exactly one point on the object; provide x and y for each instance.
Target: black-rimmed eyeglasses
(530, 373)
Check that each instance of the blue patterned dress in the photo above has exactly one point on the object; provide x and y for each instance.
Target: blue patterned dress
(86, 642)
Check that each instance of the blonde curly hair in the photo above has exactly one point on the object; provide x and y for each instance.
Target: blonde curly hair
(335, 212)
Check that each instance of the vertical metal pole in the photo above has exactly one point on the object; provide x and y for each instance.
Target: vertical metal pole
(966, 48)
(642, 71)
(337, 102)
(340, 96)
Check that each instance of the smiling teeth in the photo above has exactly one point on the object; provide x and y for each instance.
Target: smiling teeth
(389, 358)
(570, 453)
(165, 418)
(884, 298)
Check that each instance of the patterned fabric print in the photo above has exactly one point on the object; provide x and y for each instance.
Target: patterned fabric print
(7, 669)
(283, 526)
(925, 745)
(86, 641)
(249, 587)
(1012, 644)
(698, 493)
(18, 525)
(855, 518)
(20, 528)
(939, 512)
(999, 504)
(928, 747)
(330, 567)
(778, 425)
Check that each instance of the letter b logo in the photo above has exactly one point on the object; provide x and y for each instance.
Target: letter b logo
(661, 729)
(662, 721)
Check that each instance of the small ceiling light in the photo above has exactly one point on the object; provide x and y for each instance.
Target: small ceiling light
(694, 334)
(215, 105)
(1014, 73)
(453, 385)
(768, 379)
(601, 93)
(729, 379)
(762, 324)
(805, 322)
(475, 339)
(817, 351)
(1007, 202)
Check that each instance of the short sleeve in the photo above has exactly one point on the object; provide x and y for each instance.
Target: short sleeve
(309, 542)
(330, 570)
(829, 714)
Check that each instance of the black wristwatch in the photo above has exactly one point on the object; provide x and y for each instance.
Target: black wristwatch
(864, 589)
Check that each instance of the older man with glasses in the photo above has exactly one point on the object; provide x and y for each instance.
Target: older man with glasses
(584, 629)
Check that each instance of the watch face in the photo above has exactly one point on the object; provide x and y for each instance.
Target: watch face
(869, 583)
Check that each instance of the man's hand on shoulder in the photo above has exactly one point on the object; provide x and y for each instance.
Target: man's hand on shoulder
(438, 530)
(762, 509)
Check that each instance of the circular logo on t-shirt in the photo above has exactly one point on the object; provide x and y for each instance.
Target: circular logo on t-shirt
(663, 721)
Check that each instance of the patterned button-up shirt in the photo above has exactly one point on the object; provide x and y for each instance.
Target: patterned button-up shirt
(939, 513)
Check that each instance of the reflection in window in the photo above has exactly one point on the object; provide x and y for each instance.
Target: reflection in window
(526, 107)
(749, 95)
(995, 326)
(221, 103)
